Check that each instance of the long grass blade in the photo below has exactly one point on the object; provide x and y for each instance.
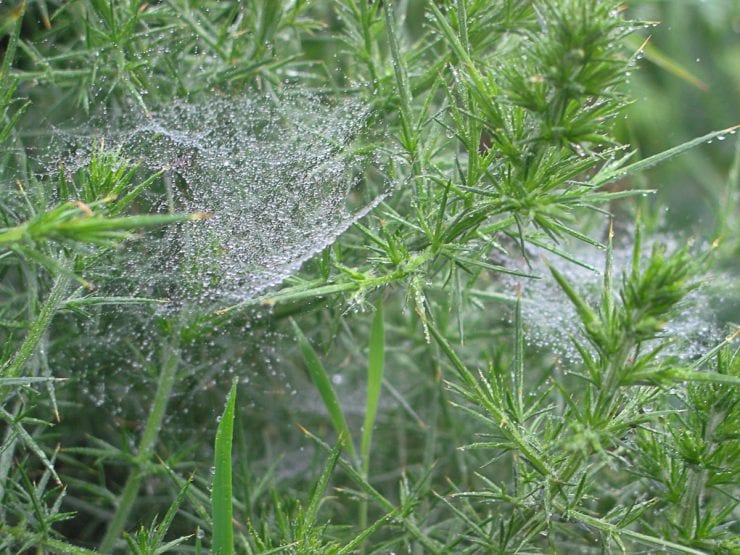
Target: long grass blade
(221, 503)
(666, 63)
(610, 174)
(374, 380)
(321, 380)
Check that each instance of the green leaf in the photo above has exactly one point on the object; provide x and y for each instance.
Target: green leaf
(654, 55)
(79, 302)
(429, 543)
(321, 380)
(488, 266)
(586, 313)
(28, 380)
(221, 504)
(14, 19)
(706, 377)
(611, 173)
(374, 382)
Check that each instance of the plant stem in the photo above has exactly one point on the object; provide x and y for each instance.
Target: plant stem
(39, 327)
(610, 384)
(644, 539)
(367, 41)
(695, 484)
(24, 353)
(691, 501)
(402, 82)
(146, 444)
(6, 457)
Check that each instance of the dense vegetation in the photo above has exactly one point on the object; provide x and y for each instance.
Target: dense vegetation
(450, 276)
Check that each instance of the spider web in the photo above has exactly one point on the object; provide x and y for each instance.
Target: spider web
(282, 177)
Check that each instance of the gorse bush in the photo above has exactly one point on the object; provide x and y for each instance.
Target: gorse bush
(407, 246)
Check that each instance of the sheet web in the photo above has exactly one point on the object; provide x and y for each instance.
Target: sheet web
(281, 178)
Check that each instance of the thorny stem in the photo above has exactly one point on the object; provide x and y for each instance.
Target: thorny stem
(610, 384)
(24, 353)
(356, 285)
(692, 497)
(147, 444)
(511, 429)
(409, 135)
(691, 500)
(644, 539)
(45, 543)
(616, 369)
(368, 44)
(39, 327)
(6, 457)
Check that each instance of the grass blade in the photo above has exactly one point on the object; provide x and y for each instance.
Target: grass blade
(613, 174)
(321, 380)
(221, 507)
(666, 63)
(374, 380)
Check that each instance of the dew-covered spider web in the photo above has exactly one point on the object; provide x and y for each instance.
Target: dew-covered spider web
(281, 178)
(552, 321)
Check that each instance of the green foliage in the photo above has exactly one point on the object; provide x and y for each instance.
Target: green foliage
(321, 380)
(223, 531)
(151, 541)
(497, 131)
